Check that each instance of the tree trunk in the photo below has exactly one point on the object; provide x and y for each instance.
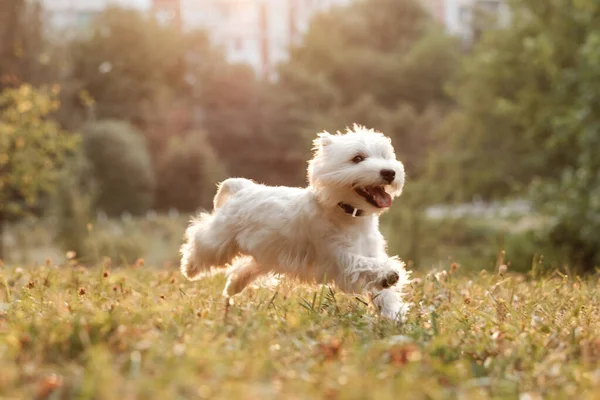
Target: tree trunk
(1, 238)
(10, 37)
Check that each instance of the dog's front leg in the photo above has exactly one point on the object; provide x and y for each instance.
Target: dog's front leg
(375, 273)
(390, 303)
(383, 277)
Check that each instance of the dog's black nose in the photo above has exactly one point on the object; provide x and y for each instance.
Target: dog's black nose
(388, 175)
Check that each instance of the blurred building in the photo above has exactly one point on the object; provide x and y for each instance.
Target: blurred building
(71, 15)
(258, 32)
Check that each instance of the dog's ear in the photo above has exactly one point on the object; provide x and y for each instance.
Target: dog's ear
(323, 139)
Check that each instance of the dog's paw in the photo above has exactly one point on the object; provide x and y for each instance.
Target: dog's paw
(390, 279)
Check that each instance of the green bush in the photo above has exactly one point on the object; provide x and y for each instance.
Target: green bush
(33, 150)
(122, 250)
(527, 112)
(475, 243)
(121, 167)
(187, 173)
(425, 243)
(573, 197)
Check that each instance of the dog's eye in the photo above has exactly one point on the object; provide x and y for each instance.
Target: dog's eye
(358, 159)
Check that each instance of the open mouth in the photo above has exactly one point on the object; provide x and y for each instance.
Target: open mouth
(375, 195)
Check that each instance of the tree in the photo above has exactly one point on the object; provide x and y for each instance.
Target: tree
(510, 94)
(527, 100)
(189, 87)
(187, 174)
(125, 62)
(25, 54)
(378, 62)
(250, 124)
(121, 167)
(11, 44)
(573, 197)
(33, 148)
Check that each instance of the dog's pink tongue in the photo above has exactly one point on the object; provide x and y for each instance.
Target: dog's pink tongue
(381, 197)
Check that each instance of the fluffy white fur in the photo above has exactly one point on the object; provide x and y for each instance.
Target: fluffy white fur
(303, 232)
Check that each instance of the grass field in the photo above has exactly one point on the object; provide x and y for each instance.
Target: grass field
(142, 333)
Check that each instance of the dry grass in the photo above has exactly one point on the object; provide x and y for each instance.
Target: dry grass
(141, 333)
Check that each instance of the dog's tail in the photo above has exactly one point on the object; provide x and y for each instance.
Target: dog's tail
(199, 227)
(229, 187)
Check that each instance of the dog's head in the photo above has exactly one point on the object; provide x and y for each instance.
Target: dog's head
(358, 168)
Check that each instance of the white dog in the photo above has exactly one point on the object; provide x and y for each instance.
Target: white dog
(326, 231)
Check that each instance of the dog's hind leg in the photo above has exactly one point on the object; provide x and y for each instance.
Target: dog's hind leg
(209, 243)
(243, 271)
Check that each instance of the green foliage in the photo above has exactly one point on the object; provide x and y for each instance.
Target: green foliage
(427, 68)
(187, 174)
(127, 59)
(474, 243)
(528, 101)
(512, 94)
(123, 250)
(189, 87)
(121, 167)
(380, 63)
(573, 197)
(252, 128)
(33, 148)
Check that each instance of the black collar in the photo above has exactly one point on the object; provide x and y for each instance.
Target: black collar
(355, 212)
